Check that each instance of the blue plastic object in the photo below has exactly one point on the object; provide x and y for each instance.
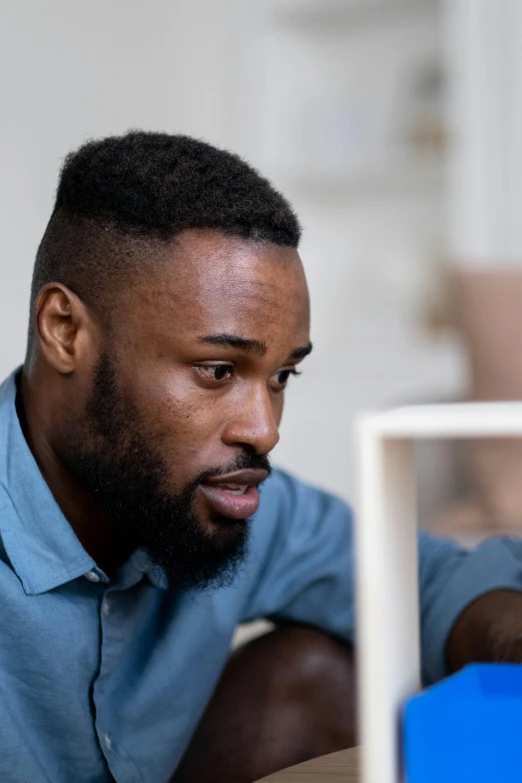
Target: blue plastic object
(466, 729)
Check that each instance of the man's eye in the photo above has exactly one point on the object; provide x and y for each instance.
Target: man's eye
(281, 378)
(216, 372)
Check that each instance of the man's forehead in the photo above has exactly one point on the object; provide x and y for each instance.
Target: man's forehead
(203, 244)
(213, 271)
(251, 312)
(210, 256)
(222, 285)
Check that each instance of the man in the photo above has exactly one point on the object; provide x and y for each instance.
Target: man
(169, 309)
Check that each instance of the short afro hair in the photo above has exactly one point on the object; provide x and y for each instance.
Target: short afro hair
(121, 197)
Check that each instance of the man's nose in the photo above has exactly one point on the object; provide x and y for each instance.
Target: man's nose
(253, 423)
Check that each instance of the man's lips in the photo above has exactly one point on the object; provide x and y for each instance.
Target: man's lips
(234, 495)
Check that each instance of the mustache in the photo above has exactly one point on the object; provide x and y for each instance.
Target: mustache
(243, 462)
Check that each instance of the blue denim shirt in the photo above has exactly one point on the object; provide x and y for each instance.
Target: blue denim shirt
(104, 679)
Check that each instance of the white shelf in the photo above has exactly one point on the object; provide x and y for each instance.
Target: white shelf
(456, 420)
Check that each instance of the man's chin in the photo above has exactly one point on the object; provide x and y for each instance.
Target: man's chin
(217, 526)
(211, 559)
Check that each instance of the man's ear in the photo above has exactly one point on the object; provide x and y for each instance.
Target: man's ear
(63, 328)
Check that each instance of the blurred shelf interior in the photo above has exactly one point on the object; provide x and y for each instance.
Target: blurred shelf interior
(334, 13)
(414, 179)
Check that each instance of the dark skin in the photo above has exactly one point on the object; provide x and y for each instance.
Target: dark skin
(204, 396)
(489, 630)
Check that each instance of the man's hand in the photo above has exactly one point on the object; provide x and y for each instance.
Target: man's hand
(489, 630)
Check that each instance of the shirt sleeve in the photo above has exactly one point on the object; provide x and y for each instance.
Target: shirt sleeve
(452, 578)
(301, 562)
(302, 569)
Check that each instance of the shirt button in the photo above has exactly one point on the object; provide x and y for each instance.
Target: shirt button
(92, 576)
(108, 742)
(106, 608)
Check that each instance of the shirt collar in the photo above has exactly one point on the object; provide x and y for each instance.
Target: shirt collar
(39, 542)
(140, 564)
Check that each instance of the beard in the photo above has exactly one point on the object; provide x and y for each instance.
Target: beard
(127, 477)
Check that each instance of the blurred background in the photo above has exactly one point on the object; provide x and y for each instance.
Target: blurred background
(394, 127)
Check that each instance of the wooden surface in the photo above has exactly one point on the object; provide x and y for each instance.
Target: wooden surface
(339, 767)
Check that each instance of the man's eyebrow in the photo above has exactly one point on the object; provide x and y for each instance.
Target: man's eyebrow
(256, 347)
(300, 353)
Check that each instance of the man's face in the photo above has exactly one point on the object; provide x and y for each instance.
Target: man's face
(187, 396)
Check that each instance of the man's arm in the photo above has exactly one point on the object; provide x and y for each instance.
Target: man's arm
(488, 630)
(471, 603)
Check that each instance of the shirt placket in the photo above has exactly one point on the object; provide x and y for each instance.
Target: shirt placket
(112, 642)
